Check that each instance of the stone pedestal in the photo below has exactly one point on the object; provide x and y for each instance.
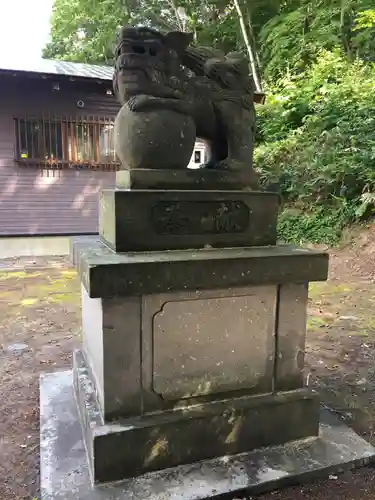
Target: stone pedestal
(139, 220)
(193, 343)
(192, 354)
(188, 433)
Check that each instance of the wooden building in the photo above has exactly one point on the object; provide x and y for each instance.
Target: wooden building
(56, 148)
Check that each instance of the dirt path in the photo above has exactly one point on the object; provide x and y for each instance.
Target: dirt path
(356, 260)
(340, 365)
(40, 325)
(39, 311)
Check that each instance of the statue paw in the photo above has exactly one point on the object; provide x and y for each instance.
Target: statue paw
(137, 102)
(244, 168)
(132, 103)
(149, 103)
(224, 165)
(210, 165)
(229, 164)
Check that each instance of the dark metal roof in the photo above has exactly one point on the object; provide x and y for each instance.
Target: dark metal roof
(78, 70)
(61, 68)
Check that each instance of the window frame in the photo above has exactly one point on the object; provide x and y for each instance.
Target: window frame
(198, 152)
(68, 160)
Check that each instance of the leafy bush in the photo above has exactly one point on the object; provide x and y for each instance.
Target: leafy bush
(317, 140)
(323, 225)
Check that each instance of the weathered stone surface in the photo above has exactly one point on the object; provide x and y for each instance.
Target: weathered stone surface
(161, 83)
(211, 342)
(111, 342)
(65, 473)
(167, 220)
(154, 139)
(187, 434)
(105, 273)
(85, 240)
(291, 336)
(148, 353)
(194, 179)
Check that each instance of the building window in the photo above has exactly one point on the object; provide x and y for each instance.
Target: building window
(198, 157)
(62, 142)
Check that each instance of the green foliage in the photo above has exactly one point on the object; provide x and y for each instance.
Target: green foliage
(317, 140)
(364, 29)
(365, 19)
(316, 133)
(85, 31)
(293, 38)
(323, 225)
(290, 33)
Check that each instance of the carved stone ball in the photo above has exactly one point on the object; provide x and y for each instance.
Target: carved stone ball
(157, 139)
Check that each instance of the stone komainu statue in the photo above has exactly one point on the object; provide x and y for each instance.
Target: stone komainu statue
(159, 72)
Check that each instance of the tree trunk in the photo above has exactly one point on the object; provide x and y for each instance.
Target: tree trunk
(249, 48)
(253, 43)
(128, 9)
(180, 22)
(345, 28)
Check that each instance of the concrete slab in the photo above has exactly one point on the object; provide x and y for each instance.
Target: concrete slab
(40, 246)
(65, 474)
(34, 246)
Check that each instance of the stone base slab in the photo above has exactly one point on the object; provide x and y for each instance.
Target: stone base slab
(202, 178)
(132, 446)
(144, 220)
(65, 473)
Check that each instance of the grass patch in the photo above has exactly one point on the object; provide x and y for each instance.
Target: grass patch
(8, 275)
(358, 334)
(59, 298)
(314, 322)
(319, 290)
(69, 274)
(52, 287)
(29, 301)
(369, 323)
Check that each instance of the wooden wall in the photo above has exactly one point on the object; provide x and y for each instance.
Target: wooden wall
(38, 201)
